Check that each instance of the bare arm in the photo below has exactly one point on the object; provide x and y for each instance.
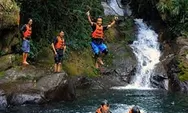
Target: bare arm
(89, 18)
(53, 47)
(113, 22)
(65, 47)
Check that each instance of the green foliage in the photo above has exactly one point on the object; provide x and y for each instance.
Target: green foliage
(35, 49)
(183, 75)
(175, 13)
(2, 74)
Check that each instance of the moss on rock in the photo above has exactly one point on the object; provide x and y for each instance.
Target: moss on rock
(80, 63)
(9, 14)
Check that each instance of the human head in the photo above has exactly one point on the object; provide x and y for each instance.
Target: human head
(30, 21)
(135, 109)
(99, 20)
(61, 33)
(105, 106)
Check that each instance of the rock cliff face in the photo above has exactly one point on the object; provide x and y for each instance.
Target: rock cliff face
(177, 66)
(9, 21)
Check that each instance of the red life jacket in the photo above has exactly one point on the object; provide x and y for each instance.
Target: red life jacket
(28, 31)
(98, 33)
(60, 43)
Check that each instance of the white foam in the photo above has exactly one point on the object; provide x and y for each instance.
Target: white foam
(147, 52)
(132, 87)
(124, 108)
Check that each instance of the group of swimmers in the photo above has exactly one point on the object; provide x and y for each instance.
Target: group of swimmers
(105, 108)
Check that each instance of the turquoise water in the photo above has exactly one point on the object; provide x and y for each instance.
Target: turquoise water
(150, 101)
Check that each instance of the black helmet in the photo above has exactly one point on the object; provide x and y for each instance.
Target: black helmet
(135, 109)
(105, 102)
(99, 17)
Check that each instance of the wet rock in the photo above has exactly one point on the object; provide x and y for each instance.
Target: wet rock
(6, 62)
(175, 84)
(160, 78)
(107, 9)
(124, 61)
(57, 87)
(82, 82)
(3, 100)
(24, 73)
(25, 98)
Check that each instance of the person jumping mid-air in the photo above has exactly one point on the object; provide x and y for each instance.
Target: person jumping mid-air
(97, 43)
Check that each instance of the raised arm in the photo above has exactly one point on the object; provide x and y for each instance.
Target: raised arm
(113, 22)
(89, 18)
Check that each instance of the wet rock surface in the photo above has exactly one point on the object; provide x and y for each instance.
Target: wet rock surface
(3, 100)
(57, 87)
(171, 64)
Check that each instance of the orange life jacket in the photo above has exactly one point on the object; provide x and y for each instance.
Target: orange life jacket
(28, 31)
(60, 43)
(98, 33)
(98, 110)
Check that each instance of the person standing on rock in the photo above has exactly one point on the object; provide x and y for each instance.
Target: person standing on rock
(97, 43)
(59, 48)
(26, 31)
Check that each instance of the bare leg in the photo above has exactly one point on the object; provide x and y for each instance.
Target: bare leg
(96, 63)
(55, 67)
(100, 61)
(59, 67)
(26, 55)
(25, 58)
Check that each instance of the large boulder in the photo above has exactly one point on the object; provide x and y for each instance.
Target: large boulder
(124, 61)
(57, 87)
(52, 87)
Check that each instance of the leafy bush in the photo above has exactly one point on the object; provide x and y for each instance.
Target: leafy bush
(175, 13)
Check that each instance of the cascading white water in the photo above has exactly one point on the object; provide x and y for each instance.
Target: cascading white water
(146, 49)
(115, 6)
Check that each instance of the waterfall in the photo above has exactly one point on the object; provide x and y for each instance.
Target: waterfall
(146, 50)
(115, 5)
